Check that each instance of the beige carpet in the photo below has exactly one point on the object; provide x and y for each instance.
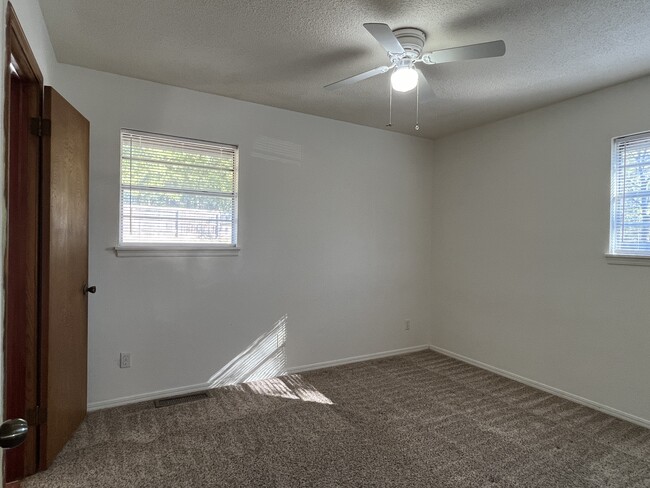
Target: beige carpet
(419, 420)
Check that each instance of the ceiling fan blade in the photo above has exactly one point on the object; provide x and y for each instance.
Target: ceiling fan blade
(385, 37)
(463, 53)
(356, 78)
(426, 91)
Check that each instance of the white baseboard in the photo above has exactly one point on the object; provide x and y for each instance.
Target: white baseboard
(154, 395)
(144, 397)
(356, 359)
(550, 389)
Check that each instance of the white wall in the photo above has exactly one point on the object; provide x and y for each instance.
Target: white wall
(339, 238)
(521, 220)
(334, 236)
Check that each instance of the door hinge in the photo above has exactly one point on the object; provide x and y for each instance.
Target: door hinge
(36, 415)
(41, 127)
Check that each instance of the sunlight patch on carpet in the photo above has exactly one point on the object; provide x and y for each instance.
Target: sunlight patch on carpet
(292, 387)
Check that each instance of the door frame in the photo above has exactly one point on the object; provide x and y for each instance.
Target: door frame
(19, 54)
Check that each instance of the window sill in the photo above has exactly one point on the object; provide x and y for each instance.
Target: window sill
(163, 250)
(627, 260)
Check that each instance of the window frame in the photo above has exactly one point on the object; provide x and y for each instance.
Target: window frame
(610, 256)
(162, 249)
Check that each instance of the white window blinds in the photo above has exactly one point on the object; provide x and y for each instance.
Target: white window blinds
(177, 191)
(630, 196)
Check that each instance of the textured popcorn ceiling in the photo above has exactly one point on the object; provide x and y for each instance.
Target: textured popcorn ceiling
(281, 53)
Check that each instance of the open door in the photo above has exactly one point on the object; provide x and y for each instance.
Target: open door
(23, 104)
(64, 273)
(46, 264)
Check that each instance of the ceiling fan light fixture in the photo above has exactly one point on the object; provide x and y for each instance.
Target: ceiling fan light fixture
(404, 79)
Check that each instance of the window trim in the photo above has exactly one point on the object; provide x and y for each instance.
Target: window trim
(147, 249)
(175, 250)
(627, 259)
(610, 257)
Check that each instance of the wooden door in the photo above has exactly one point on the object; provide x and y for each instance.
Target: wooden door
(64, 259)
(22, 285)
(23, 98)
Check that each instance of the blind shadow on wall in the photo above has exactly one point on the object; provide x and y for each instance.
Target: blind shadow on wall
(264, 358)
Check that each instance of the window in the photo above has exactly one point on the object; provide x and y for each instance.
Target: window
(630, 198)
(177, 194)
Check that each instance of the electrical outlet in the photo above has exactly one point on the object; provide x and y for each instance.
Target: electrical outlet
(125, 360)
(407, 325)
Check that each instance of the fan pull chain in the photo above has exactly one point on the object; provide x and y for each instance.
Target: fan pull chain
(390, 104)
(417, 106)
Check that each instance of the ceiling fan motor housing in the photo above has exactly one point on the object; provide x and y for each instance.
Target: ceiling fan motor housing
(412, 40)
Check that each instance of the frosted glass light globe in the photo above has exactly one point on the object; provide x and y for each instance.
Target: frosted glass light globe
(404, 79)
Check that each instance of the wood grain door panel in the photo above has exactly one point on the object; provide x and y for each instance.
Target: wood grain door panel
(64, 268)
(22, 272)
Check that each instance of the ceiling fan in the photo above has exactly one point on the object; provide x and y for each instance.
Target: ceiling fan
(404, 48)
